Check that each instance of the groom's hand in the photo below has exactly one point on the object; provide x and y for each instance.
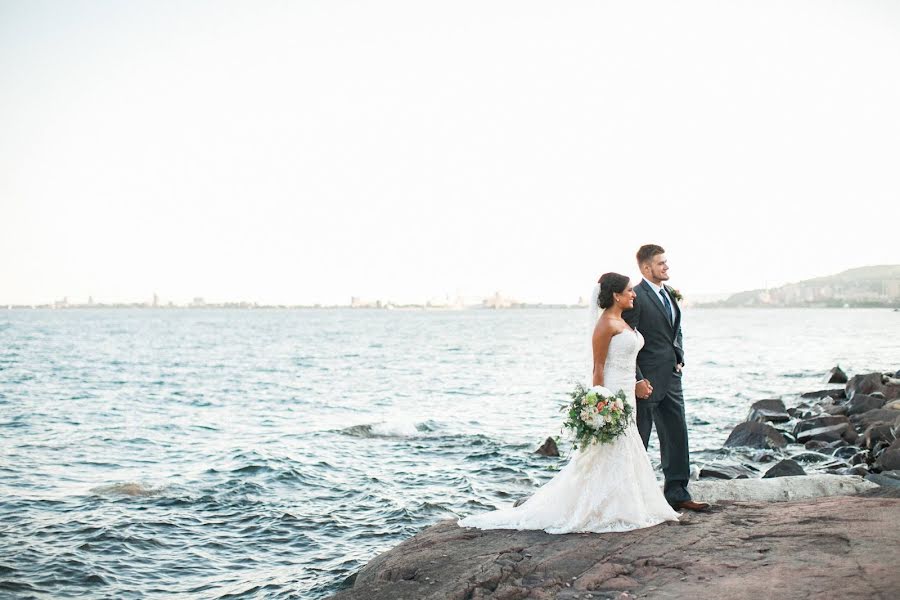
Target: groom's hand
(643, 389)
(679, 367)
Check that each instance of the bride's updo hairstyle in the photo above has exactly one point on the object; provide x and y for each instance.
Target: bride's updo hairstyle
(610, 283)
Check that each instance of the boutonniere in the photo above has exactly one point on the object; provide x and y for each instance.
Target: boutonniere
(675, 294)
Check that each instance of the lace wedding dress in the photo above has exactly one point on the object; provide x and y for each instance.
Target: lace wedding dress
(604, 487)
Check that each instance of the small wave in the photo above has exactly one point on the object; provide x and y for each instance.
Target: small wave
(392, 429)
(17, 586)
(250, 469)
(126, 489)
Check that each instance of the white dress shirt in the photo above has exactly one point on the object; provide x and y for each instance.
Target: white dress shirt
(656, 290)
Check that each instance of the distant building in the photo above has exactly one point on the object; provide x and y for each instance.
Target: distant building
(446, 302)
(357, 302)
(499, 301)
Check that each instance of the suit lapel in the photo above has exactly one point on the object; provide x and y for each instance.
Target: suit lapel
(675, 306)
(657, 301)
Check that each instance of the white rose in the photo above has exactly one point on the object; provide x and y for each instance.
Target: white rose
(601, 391)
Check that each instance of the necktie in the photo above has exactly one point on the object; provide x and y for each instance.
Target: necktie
(665, 299)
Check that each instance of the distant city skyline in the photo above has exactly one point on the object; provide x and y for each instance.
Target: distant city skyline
(306, 153)
(158, 299)
(872, 284)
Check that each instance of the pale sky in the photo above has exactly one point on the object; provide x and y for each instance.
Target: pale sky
(300, 152)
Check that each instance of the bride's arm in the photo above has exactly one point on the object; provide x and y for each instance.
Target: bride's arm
(603, 333)
(633, 318)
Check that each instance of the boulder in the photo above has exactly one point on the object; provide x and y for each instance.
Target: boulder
(892, 405)
(828, 433)
(770, 410)
(878, 432)
(836, 375)
(836, 394)
(894, 474)
(815, 445)
(725, 471)
(826, 447)
(836, 409)
(863, 384)
(889, 459)
(883, 480)
(861, 403)
(785, 468)
(548, 448)
(873, 383)
(752, 434)
(777, 489)
(858, 470)
(802, 413)
(818, 422)
(879, 415)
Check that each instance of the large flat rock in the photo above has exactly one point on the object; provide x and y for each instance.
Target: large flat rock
(802, 487)
(834, 547)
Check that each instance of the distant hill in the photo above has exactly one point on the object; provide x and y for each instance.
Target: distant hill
(876, 286)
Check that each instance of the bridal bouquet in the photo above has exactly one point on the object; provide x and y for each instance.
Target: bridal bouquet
(596, 415)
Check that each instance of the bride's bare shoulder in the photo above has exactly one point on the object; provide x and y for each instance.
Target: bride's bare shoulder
(607, 328)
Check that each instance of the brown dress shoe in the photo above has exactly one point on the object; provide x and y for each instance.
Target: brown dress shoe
(691, 505)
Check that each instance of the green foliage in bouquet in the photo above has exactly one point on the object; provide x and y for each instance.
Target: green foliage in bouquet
(596, 415)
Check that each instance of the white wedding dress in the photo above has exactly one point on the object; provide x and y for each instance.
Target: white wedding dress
(605, 487)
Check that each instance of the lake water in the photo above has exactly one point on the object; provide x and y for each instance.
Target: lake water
(270, 454)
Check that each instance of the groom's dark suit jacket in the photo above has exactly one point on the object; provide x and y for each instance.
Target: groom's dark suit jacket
(662, 339)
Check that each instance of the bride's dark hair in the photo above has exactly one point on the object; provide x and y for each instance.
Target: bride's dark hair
(610, 283)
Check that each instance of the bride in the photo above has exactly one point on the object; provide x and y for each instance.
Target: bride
(604, 487)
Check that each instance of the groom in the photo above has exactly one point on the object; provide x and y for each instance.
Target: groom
(657, 316)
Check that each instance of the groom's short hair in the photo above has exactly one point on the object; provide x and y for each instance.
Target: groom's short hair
(646, 253)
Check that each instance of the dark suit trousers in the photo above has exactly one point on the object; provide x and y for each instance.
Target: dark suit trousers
(668, 415)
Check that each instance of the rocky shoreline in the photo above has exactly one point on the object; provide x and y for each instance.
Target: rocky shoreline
(821, 522)
(849, 430)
